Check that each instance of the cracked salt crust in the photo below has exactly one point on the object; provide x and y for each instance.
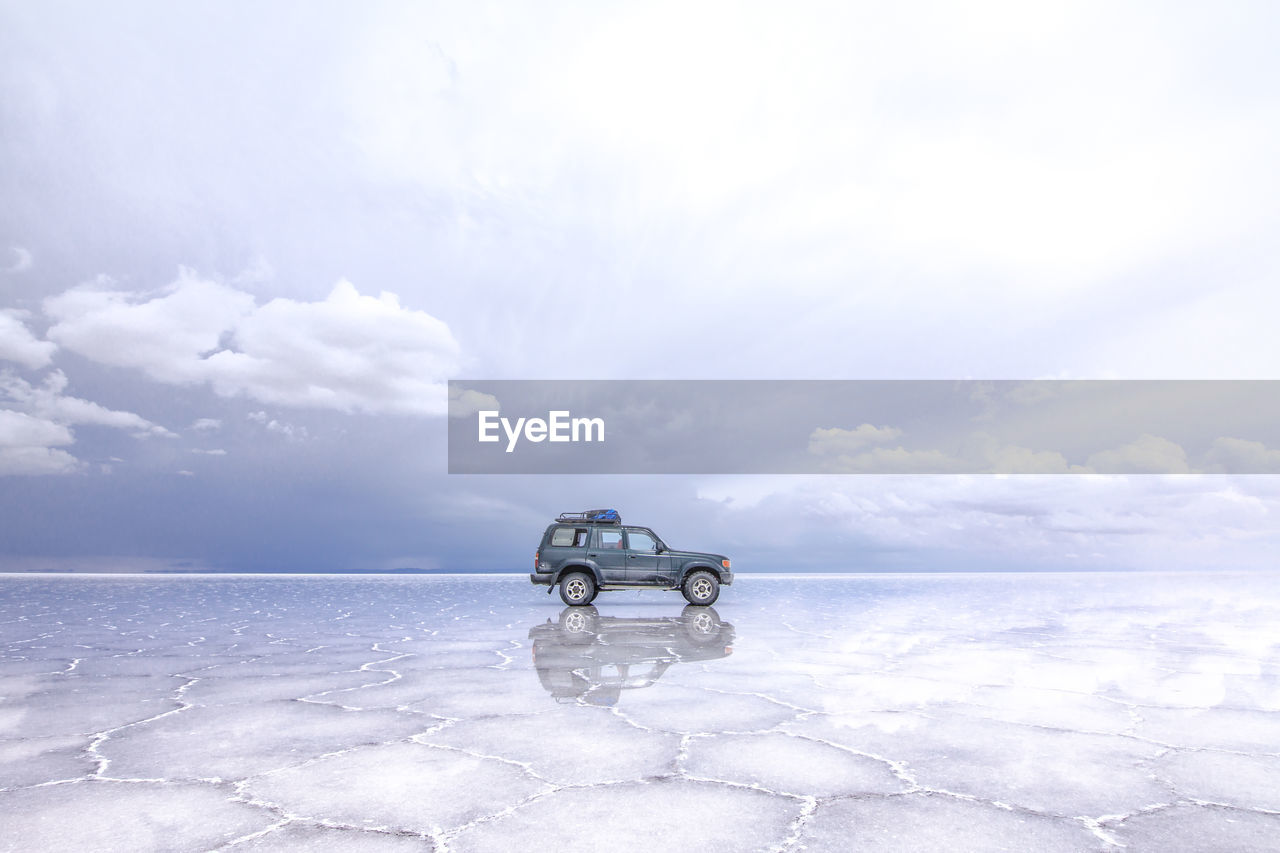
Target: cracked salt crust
(975, 713)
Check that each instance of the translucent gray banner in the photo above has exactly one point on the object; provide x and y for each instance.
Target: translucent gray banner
(864, 427)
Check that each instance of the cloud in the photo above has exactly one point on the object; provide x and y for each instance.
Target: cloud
(47, 401)
(983, 522)
(272, 425)
(899, 460)
(463, 402)
(22, 260)
(984, 456)
(1011, 459)
(18, 344)
(843, 446)
(348, 352)
(1238, 456)
(31, 445)
(214, 452)
(33, 432)
(836, 440)
(165, 336)
(206, 424)
(1149, 454)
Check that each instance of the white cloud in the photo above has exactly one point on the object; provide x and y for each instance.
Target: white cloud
(18, 344)
(22, 260)
(166, 335)
(1095, 522)
(206, 424)
(33, 432)
(970, 140)
(983, 455)
(47, 401)
(465, 402)
(31, 445)
(1011, 459)
(287, 430)
(1148, 454)
(836, 440)
(272, 425)
(214, 452)
(19, 428)
(899, 460)
(1239, 456)
(349, 352)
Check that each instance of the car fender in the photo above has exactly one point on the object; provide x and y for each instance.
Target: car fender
(580, 566)
(698, 565)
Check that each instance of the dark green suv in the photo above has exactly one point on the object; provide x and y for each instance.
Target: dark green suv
(585, 552)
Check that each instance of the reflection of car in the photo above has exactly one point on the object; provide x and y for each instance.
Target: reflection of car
(592, 658)
(585, 552)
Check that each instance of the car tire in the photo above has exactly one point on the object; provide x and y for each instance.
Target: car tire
(577, 589)
(579, 624)
(701, 624)
(701, 588)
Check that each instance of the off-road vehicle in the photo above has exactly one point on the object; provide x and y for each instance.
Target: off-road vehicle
(585, 552)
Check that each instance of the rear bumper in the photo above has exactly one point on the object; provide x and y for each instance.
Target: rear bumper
(541, 578)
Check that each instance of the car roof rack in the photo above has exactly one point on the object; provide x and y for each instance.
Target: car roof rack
(594, 516)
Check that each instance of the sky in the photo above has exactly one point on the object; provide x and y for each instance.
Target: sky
(244, 246)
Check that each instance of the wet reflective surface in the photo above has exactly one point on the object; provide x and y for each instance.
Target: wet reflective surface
(591, 658)
(1079, 712)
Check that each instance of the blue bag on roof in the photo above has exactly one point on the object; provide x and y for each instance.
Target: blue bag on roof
(605, 516)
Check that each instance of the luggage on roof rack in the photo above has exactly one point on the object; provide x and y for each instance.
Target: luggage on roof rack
(599, 516)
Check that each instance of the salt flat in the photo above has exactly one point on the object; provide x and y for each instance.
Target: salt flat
(958, 712)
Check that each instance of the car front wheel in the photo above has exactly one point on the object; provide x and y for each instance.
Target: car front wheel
(701, 588)
(577, 588)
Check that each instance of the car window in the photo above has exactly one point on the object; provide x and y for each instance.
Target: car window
(638, 540)
(569, 537)
(609, 538)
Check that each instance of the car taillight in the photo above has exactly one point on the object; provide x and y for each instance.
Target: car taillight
(535, 561)
(724, 563)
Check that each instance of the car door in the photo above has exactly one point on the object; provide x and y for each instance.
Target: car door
(644, 563)
(609, 554)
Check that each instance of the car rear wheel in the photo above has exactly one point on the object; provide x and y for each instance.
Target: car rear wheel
(579, 622)
(701, 588)
(577, 588)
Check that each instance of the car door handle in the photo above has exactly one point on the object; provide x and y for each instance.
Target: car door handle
(593, 555)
